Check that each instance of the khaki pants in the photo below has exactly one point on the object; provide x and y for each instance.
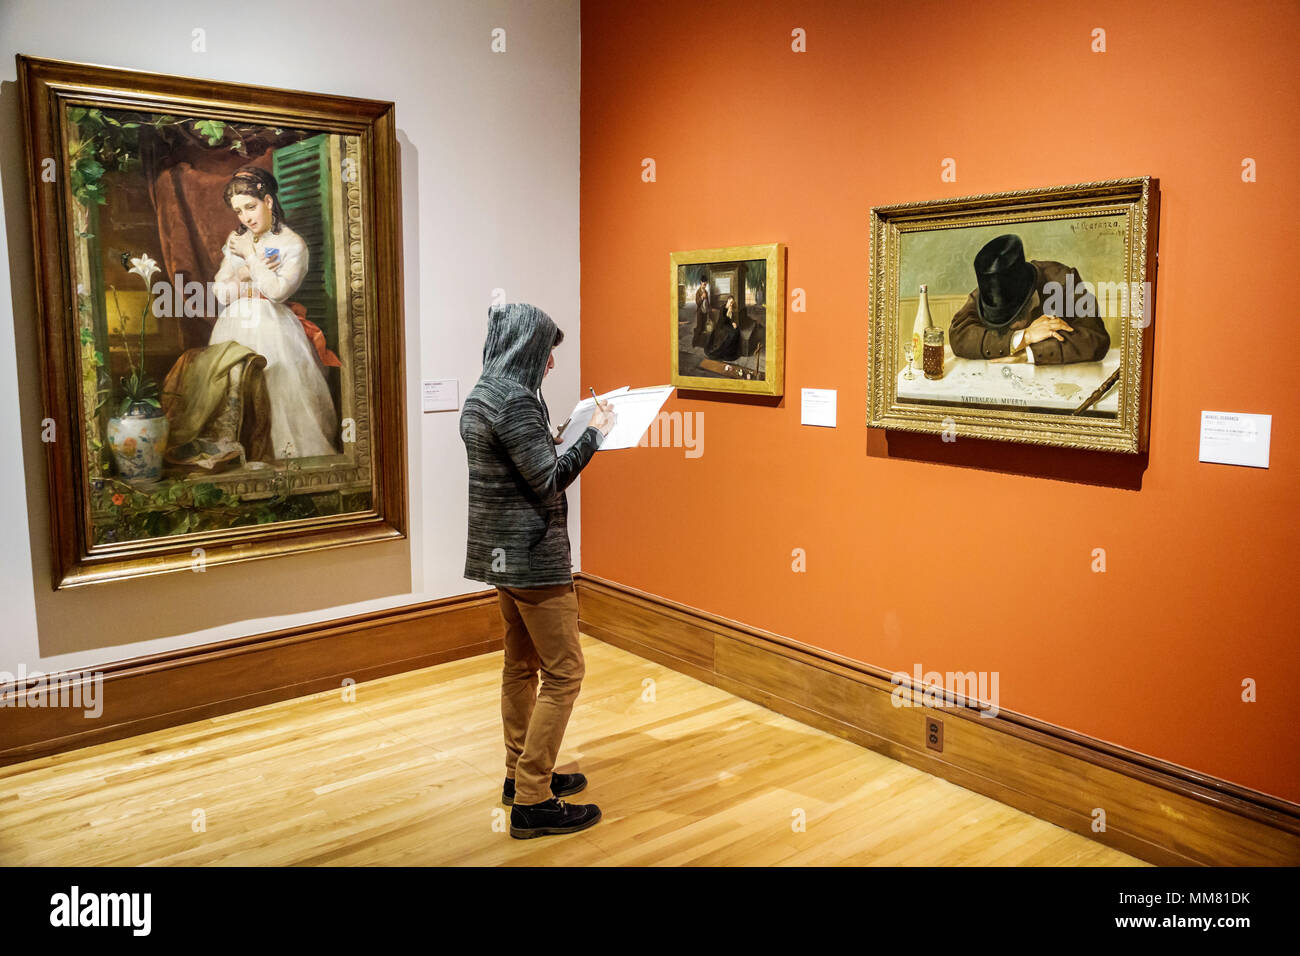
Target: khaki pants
(541, 633)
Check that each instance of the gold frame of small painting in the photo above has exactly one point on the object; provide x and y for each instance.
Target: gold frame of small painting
(1040, 304)
(714, 346)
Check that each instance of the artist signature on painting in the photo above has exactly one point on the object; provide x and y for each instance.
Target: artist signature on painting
(1095, 225)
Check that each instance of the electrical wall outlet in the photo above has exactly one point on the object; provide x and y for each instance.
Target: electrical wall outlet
(934, 733)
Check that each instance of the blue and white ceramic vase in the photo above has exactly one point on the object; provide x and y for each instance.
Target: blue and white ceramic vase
(138, 440)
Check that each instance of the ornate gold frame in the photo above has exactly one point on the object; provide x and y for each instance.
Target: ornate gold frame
(373, 313)
(1137, 199)
(774, 368)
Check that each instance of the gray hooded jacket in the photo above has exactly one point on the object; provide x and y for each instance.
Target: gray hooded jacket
(518, 510)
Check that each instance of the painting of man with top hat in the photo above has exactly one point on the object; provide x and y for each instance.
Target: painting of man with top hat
(1031, 315)
(1010, 317)
(1020, 316)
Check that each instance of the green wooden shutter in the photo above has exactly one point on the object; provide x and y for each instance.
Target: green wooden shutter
(303, 172)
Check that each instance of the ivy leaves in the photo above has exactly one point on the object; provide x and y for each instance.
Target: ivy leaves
(214, 130)
(106, 143)
(178, 506)
(110, 142)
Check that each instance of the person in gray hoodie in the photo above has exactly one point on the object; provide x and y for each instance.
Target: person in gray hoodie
(518, 540)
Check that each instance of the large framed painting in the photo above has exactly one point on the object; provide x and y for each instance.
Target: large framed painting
(726, 314)
(219, 291)
(1022, 316)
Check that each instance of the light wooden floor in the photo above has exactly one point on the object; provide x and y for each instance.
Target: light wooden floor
(410, 774)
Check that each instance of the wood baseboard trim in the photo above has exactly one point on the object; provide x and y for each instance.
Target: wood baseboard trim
(1155, 810)
(149, 693)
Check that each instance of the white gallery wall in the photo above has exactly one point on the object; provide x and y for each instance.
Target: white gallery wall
(489, 153)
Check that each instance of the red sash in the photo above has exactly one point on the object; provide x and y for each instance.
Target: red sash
(314, 335)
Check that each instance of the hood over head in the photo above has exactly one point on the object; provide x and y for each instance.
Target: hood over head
(519, 342)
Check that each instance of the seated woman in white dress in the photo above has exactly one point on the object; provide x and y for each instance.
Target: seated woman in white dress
(263, 263)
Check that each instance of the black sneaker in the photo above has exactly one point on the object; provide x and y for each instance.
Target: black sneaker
(550, 817)
(562, 784)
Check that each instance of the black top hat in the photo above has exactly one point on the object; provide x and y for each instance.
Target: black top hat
(1006, 280)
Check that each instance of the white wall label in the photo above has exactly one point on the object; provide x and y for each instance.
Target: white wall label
(1235, 438)
(818, 407)
(441, 395)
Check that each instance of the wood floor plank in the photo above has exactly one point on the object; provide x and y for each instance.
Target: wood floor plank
(409, 773)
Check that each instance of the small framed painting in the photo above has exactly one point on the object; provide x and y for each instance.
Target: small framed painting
(219, 291)
(1021, 316)
(727, 309)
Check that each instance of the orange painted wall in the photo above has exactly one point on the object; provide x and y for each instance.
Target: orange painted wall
(976, 555)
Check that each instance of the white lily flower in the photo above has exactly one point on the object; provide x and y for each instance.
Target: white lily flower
(144, 267)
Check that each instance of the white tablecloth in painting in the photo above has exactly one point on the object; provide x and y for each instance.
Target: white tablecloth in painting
(979, 382)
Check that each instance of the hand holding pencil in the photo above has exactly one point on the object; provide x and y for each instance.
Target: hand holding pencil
(603, 417)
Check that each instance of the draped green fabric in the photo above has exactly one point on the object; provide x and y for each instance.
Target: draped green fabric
(203, 385)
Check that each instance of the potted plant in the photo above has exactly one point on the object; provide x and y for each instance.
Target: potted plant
(137, 434)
